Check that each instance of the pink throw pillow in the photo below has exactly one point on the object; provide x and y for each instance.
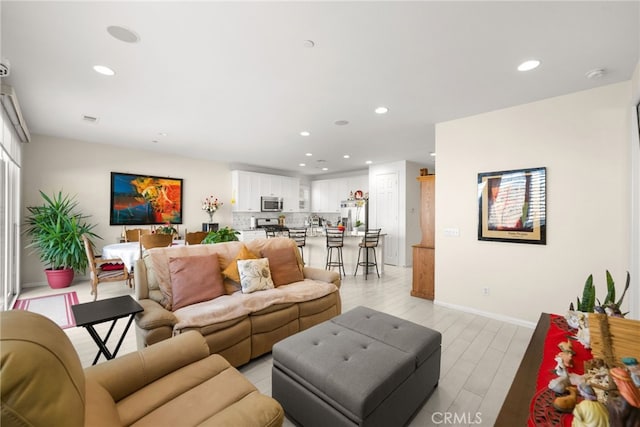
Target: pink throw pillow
(195, 279)
(283, 264)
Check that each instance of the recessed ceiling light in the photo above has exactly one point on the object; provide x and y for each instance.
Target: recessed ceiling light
(302, 164)
(341, 122)
(309, 43)
(381, 110)
(325, 169)
(308, 154)
(123, 34)
(529, 65)
(433, 154)
(368, 162)
(102, 69)
(346, 156)
(595, 74)
(305, 133)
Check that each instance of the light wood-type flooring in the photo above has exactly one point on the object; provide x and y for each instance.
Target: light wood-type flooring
(479, 355)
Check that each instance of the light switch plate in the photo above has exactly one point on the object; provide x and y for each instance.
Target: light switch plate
(452, 232)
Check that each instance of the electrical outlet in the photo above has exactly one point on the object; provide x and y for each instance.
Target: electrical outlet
(485, 291)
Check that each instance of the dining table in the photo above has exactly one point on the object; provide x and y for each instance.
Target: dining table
(128, 252)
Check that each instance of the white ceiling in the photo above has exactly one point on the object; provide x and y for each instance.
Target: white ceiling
(233, 81)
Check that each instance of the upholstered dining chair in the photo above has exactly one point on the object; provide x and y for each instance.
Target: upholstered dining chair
(104, 270)
(194, 238)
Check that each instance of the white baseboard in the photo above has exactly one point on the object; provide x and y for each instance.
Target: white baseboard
(488, 314)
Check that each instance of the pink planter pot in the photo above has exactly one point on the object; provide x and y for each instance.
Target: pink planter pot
(59, 278)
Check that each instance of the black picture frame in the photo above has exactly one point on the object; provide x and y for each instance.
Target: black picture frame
(145, 199)
(512, 206)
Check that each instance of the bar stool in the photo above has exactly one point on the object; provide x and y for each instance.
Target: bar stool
(369, 242)
(335, 240)
(299, 235)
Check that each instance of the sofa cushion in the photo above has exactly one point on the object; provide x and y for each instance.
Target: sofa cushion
(254, 275)
(283, 265)
(231, 272)
(194, 279)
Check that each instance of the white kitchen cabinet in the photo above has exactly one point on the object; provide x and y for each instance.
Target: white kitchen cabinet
(248, 187)
(290, 194)
(326, 194)
(270, 185)
(245, 191)
(319, 196)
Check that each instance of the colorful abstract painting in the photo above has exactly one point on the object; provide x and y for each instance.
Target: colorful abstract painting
(144, 199)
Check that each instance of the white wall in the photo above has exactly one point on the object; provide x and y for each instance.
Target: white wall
(83, 169)
(583, 140)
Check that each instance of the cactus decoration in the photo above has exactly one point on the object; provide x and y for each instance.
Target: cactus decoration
(610, 305)
(588, 296)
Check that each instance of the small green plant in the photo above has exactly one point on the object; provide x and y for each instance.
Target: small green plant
(166, 229)
(588, 296)
(610, 300)
(588, 302)
(225, 234)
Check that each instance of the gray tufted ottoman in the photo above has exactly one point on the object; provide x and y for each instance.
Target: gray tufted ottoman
(362, 368)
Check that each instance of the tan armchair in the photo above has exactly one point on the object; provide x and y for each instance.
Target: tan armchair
(104, 270)
(172, 383)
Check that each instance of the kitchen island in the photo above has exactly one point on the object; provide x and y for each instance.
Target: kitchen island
(315, 252)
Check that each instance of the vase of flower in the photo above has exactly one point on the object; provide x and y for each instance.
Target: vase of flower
(210, 205)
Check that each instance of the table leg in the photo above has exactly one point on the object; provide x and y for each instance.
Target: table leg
(102, 343)
(102, 348)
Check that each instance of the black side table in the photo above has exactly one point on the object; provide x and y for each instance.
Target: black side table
(92, 313)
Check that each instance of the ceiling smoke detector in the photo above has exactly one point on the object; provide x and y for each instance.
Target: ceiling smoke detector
(595, 74)
(4, 67)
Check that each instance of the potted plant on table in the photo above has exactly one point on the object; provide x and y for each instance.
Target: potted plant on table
(225, 234)
(56, 230)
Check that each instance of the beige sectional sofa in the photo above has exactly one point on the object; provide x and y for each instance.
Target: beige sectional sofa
(237, 325)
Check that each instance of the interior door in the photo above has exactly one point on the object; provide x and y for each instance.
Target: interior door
(387, 215)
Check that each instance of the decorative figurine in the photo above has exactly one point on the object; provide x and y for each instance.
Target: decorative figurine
(568, 402)
(624, 410)
(631, 363)
(589, 412)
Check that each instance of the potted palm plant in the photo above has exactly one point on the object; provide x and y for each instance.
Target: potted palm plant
(56, 230)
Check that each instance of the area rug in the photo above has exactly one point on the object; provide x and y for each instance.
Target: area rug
(55, 307)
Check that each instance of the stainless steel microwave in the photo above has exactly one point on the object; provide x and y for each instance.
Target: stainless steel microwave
(270, 204)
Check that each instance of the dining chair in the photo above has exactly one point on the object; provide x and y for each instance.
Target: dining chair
(104, 270)
(133, 235)
(299, 235)
(369, 243)
(194, 238)
(148, 241)
(335, 241)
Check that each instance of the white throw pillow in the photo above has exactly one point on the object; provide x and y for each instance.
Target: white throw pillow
(254, 275)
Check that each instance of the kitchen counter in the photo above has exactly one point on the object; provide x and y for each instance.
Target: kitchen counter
(315, 252)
